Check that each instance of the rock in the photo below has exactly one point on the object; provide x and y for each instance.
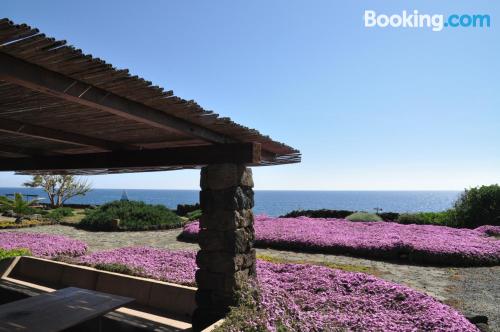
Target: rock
(10, 214)
(483, 327)
(115, 224)
(235, 198)
(223, 176)
(476, 319)
(20, 219)
(35, 217)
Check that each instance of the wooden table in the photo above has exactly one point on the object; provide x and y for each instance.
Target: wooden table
(58, 310)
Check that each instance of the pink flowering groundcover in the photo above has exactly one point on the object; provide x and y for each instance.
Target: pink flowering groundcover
(305, 297)
(425, 244)
(42, 245)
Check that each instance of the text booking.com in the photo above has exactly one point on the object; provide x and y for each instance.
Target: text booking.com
(435, 22)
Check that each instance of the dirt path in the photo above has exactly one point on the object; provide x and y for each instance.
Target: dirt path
(470, 290)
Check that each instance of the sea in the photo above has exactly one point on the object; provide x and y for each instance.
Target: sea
(279, 202)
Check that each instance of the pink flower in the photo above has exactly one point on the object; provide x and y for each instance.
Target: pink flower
(381, 240)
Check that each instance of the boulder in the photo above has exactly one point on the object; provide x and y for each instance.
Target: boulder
(10, 214)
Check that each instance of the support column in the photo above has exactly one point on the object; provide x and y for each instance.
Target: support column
(226, 259)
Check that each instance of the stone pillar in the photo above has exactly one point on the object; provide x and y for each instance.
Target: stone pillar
(226, 259)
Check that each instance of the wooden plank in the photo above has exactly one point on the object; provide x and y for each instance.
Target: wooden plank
(58, 310)
(35, 77)
(20, 128)
(243, 153)
(23, 150)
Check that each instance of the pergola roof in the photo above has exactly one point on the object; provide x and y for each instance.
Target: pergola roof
(63, 111)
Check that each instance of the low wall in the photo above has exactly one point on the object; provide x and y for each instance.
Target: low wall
(171, 298)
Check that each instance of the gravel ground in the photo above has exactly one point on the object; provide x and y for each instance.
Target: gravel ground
(470, 290)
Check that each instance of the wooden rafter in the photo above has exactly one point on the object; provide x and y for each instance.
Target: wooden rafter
(37, 78)
(243, 153)
(23, 150)
(25, 129)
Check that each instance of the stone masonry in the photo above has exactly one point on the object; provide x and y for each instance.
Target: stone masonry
(226, 259)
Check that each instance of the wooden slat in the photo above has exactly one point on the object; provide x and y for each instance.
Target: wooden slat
(34, 48)
(26, 129)
(58, 310)
(40, 79)
(245, 153)
(23, 150)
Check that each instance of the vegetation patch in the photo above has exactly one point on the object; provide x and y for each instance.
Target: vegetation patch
(303, 297)
(363, 216)
(42, 245)
(173, 266)
(445, 218)
(129, 216)
(194, 215)
(9, 223)
(60, 213)
(478, 206)
(9, 253)
(119, 268)
(17, 204)
(343, 267)
(421, 244)
(184, 209)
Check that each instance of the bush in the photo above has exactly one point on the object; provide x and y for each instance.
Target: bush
(195, 215)
(323, 213)
(184, 209)
(363, 216)
(479, 206)
(4, 254)
(119, 268)
(59, 213)
(445, 218)
(389, 216)
(340, 214)
(132, 215)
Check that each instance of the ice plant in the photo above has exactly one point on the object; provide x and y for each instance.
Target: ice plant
(173, 266)
(489, 230)
(305, 297)
(382, 240)
(42, 245)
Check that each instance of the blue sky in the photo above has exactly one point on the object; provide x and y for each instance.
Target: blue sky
(370, 109)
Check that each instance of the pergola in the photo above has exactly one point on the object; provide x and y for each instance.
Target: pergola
(66, 112)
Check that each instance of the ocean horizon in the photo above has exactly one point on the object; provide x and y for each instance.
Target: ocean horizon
(279, 202)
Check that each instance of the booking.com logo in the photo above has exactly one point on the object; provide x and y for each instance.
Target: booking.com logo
(436, 22)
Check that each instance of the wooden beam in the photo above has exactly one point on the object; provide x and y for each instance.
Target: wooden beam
(37, 78)
(23, 150)
(20, 128)
(244, 153)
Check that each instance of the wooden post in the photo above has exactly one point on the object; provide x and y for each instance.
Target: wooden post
(226, 259)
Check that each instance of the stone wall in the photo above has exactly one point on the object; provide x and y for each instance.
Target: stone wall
(226, 259)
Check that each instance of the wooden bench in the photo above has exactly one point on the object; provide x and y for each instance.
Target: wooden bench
(58, 310)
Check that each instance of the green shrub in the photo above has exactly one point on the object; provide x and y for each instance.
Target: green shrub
(323, 213)
(119, 268)
(195, 215)
(248, 306)
(60, 213)
(445, 218)
(363, 216)
(4, 254)
(132, 215)
(479, 206)
(184, 209)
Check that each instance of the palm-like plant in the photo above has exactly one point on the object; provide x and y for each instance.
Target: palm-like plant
(18, 204)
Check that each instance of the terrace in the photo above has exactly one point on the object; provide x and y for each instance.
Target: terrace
(66, 112)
